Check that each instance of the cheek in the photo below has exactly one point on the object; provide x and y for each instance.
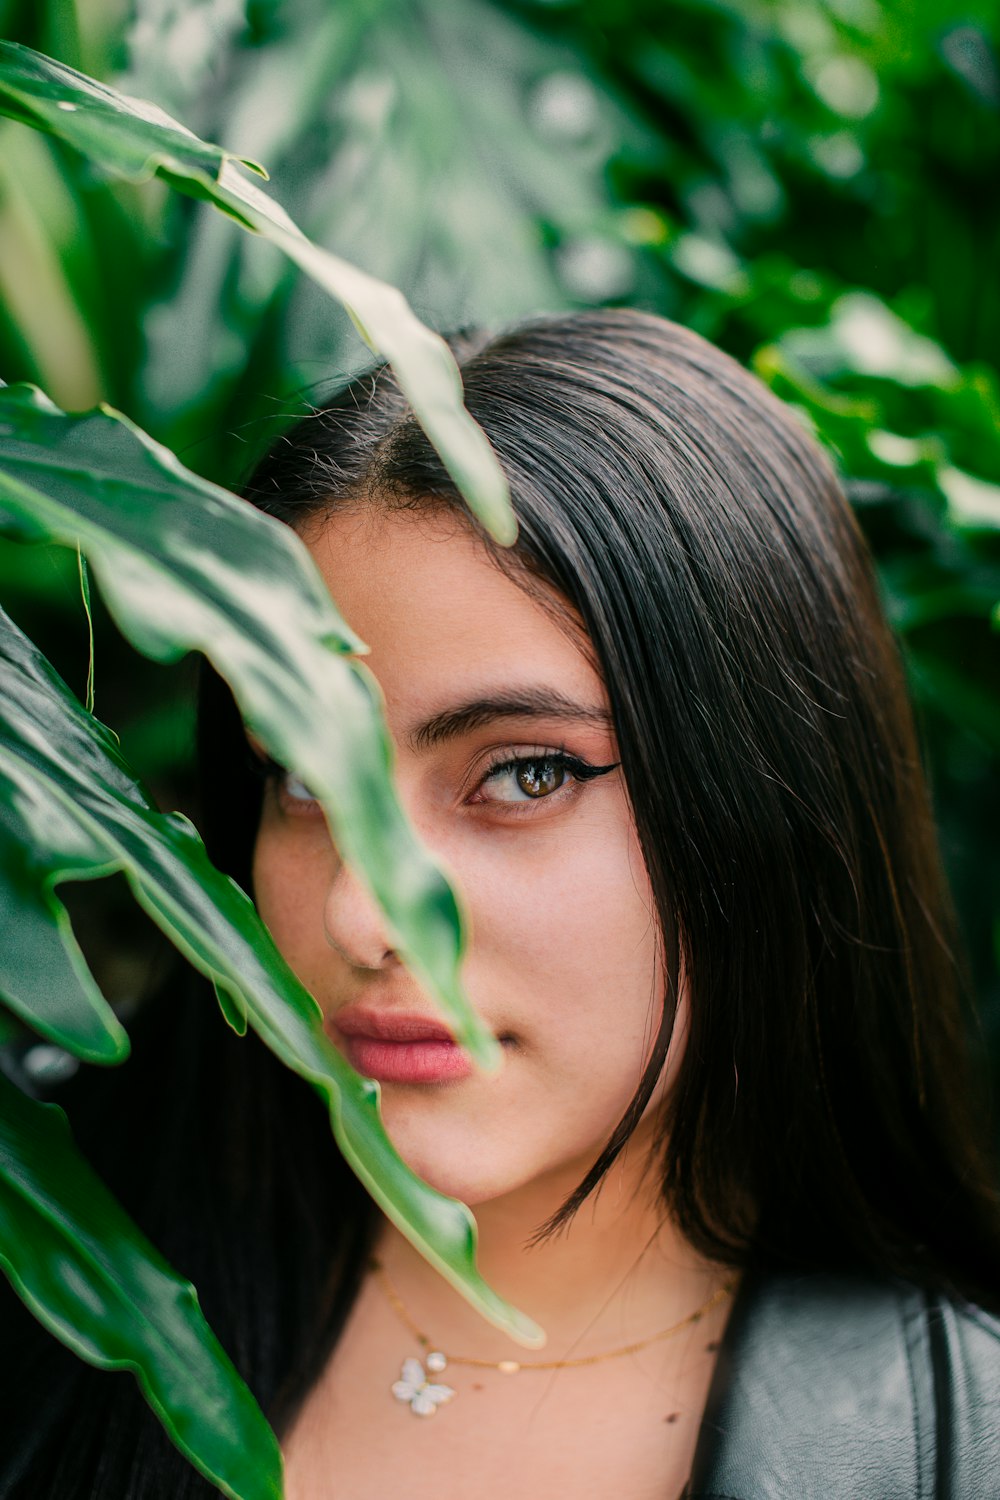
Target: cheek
(289, 892)
(564, 932)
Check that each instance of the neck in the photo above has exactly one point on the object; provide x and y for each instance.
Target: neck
(619, 1270)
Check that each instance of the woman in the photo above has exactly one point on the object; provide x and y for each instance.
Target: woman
(731, 1161)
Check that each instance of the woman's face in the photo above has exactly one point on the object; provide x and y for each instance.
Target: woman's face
(493, 706)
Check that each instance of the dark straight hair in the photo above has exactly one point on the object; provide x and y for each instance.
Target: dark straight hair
(681, 514)
(823, 1112)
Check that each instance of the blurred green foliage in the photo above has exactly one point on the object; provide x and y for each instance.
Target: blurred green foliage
(810, 183)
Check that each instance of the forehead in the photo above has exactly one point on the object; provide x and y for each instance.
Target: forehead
(441, 619)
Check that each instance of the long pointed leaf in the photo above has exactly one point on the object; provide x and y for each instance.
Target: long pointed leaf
(86, 1271)
(184, 565)
(44, 978)
(84, 805)
(135, 139)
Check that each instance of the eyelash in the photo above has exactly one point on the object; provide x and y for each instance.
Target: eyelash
(269, 770)
(580, 770)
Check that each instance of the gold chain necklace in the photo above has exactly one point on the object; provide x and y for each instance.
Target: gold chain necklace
(424, 1395)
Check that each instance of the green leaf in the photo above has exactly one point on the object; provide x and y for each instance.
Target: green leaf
(865, 337)
(130, 137)
(233, 1008)
(88, 1274)
(44, 978)
(10, 1028)
(135, 139)
(854, 425)
(82, 815)
(88, 612)
(184, 565)
(973, 504)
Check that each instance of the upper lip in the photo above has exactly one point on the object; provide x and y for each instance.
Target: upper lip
(390, 1026)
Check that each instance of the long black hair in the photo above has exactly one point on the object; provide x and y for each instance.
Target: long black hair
(823, 1113)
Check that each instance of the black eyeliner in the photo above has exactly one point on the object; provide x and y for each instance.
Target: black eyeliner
(581, 770)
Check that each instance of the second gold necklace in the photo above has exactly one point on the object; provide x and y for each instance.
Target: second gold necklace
(419, 1389)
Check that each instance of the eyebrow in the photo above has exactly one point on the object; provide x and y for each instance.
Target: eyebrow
(525, 703)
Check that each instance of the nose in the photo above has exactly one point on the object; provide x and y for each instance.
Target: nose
(353, 924)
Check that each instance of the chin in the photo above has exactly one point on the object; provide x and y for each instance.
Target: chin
(480, 1159)
(456, 1179)
(476, 1174)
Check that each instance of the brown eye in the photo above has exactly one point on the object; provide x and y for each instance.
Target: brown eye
(532, 778)
(536, 778)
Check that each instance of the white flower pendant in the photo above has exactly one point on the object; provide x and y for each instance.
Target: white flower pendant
(423, 1396)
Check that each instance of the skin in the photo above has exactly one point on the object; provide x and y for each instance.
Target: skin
(565, 964)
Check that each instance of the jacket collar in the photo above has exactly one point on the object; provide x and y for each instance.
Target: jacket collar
(823, 1390)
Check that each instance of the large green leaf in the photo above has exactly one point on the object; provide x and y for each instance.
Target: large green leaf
(855, 423)
(136, 140)
(90, 1276)
(184, 565)
(80, 814)
(44, 978)
(132, 137)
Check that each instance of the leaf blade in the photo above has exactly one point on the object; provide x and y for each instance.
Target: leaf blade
(91, 1277)
(183, 565)
(135, 139)
(94, 817)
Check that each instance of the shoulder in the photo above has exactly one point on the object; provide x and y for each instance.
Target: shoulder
(829, 1387)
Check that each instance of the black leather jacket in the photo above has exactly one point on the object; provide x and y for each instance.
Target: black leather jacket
(836, 1388)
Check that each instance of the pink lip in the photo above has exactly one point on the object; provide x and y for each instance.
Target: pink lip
(397, 1048)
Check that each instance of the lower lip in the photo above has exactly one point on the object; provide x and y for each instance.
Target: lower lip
(407, 1062)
